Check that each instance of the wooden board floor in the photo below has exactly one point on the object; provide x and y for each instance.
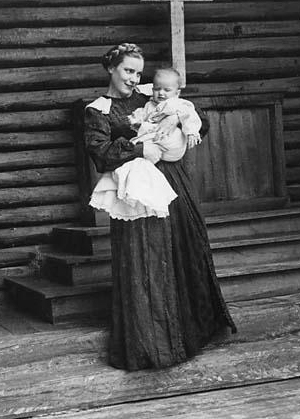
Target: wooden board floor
(61, 371)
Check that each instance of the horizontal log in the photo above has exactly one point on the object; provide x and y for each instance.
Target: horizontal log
(44, 3)
(147, 13)
(293, 175)
(291, 139)
(37, 120)
(110, 35)
(291, 122)
(220, 48)
(291, 104)
(242, 68)
(29, 78)
(21, 236)
(45, 214)
(112, 14)
(36, 158)
(20, 57)
(32, 140)
(65, 97)
(38, 195)
(37, 177)
(45, 99)
(292, 157)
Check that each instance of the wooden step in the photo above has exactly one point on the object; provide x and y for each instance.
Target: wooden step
(246, 282)
(71, 269)
(226, 252)
(257, 250)
(55, 303)
(253, 224)
(81, 240)
(90, 240)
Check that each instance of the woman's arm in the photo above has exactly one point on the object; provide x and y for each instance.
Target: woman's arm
(107, 154)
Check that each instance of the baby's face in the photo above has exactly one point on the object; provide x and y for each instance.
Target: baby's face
(165, 86)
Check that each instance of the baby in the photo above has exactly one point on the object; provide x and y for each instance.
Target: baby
(165, 101)
(138, 188)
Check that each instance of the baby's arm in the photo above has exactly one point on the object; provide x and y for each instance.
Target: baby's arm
(190, 122)
(137, 118)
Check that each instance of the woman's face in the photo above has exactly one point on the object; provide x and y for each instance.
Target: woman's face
(125, 76)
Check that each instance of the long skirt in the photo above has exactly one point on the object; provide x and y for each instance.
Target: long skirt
(167, 302)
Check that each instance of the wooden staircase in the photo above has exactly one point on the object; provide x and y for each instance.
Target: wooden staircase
(256, 255)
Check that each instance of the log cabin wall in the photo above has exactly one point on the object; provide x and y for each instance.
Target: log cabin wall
(49, 57)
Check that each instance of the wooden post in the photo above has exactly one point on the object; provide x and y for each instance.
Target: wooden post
(177, 34)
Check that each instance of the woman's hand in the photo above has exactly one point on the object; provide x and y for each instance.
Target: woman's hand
(167, 126)
(152, 152)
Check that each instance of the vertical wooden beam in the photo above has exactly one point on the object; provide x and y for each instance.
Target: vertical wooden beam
(177, 38)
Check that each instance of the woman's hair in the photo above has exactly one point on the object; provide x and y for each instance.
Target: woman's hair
(116, 54)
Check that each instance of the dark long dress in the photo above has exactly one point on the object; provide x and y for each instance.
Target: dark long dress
(167, 302)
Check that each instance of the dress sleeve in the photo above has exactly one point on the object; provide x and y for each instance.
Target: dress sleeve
(107, 154)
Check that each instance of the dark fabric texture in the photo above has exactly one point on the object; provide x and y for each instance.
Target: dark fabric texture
(167, 302)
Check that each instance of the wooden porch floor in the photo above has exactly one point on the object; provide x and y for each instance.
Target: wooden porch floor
(61, 371)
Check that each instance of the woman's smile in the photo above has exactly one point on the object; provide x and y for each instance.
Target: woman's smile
(125, 77)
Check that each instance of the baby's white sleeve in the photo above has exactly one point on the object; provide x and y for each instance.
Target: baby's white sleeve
(188, 117)
(137, 117)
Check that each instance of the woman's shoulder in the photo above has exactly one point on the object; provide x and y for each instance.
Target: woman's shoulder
(102, 104)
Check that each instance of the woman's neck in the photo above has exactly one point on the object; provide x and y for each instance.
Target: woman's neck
(114, 93)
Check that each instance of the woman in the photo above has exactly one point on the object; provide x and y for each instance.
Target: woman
(167, 302)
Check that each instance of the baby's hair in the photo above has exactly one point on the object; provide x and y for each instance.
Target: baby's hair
(168, 70)
(116, 54)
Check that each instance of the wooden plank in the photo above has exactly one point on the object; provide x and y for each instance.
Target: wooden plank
(17, 57)
(293, 175)
(36, 158)
(291, 139)
(14, 272)
(82, 35)
(144, 13)
(292, 157)
(38, 195)
(216, 48)
(239, 68)
(43, 3)
(54, 77)
(43, 120)
(292, 104)
(268, 401)
(294, 192)
(256, 320)
(177, 39)
(44, 214)
(197, 71)
(18, 236)
(101, 35)
(47, 99)
(29, 140)
(65, 97)
(291, 122)
(37, 177)
(113, 14)
(279, 173)
(95, 384)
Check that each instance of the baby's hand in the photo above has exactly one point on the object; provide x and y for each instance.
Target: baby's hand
(193, 140)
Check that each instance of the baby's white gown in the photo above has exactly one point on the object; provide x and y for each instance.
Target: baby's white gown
(138, 189)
